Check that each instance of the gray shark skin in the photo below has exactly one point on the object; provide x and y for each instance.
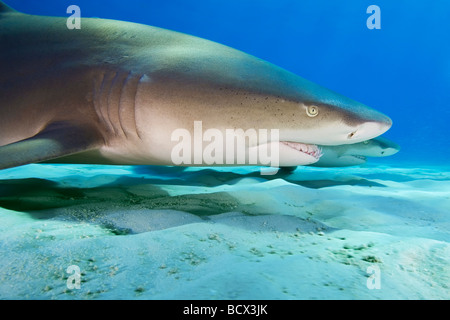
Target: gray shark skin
(113, 92)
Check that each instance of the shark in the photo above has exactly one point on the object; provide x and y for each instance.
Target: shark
(114, 92)
(357, 153)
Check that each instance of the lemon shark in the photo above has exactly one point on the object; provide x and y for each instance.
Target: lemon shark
(357, 153)
(114, 92)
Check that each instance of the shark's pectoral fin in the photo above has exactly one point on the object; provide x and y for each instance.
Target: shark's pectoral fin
(57, 140)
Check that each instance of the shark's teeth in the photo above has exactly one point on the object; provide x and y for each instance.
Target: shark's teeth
(359, 157)
(309, 149)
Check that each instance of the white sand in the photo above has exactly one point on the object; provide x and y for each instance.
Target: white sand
(168, 233)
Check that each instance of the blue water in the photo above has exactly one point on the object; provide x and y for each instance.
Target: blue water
(402, 69)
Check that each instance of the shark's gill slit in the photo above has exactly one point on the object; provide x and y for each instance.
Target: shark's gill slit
(110, 100)
(105, 92)
(126, 102)
(127, 110)
(101, 102)
(115, 94)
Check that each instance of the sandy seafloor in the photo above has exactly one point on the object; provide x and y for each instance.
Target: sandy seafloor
(227, 233)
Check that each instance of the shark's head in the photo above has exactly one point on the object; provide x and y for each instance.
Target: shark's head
(377, 147)
(332, 123)
(336, 122)
(262, 95)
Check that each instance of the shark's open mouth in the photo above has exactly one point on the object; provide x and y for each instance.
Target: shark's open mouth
(309, 149)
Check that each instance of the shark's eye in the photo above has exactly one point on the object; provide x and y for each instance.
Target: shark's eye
(312, 111)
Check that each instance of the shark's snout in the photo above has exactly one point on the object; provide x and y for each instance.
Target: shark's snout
(369, 130)
(365, 123)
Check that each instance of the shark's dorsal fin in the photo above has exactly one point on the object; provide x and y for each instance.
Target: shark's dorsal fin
(5, 8)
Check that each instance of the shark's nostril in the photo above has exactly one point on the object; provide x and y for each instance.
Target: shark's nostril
(351, 134)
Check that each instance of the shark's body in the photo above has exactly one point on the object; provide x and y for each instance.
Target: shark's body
(355, 154)
(114, 92)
